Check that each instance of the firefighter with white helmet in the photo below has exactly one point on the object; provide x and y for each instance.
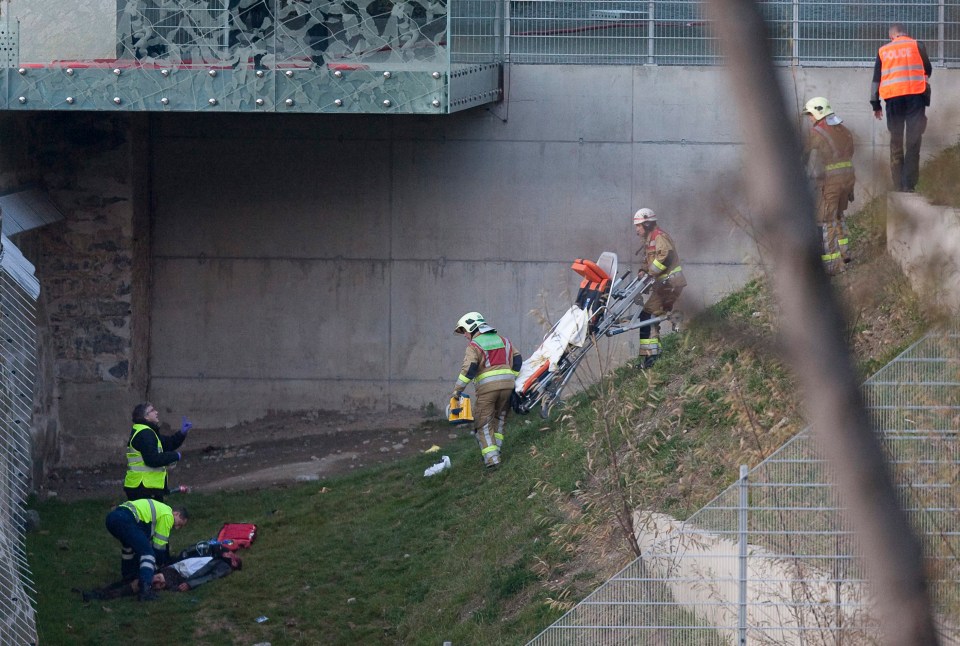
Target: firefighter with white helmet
(491, 363)
(661, 261)
(828, 155)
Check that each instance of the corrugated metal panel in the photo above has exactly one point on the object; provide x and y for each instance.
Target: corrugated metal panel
(27, 209)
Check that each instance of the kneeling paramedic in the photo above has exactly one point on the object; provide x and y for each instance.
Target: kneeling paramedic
(143, 529)
(492, 363)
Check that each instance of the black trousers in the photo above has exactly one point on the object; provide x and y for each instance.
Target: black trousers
(906, 128)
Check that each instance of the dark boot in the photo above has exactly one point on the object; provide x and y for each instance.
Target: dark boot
(147, 594)
(647, 362)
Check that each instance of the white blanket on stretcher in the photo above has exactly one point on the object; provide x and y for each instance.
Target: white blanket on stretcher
(571, 329)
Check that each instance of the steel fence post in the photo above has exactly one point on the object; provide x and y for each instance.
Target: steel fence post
(742, 533)
(941, 25)
(651, 36)
(795, 45)
(506, 31)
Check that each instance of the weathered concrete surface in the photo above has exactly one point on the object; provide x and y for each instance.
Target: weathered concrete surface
(290, 262)
(924, 239)
(304, 262)
(788, 601)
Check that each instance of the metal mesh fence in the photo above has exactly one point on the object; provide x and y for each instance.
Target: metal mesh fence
(17, 370)
(771, 560)
(834, 32)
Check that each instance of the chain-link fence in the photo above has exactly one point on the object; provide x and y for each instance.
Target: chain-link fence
(659, 32)
(18, 294)
(771, 560)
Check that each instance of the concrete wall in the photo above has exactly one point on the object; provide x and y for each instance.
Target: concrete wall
(240, 264)
(321, 262)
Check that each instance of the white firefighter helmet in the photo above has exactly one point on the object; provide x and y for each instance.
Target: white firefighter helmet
(644, 215)
(469, 323)
(819, 107)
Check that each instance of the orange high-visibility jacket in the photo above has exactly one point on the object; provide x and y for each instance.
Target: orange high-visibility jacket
(901, 71)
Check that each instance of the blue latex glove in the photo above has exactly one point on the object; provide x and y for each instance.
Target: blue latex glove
(185, 425)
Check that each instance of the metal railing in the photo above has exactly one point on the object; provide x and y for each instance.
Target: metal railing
(658, 32)
(18, 353)
(771, 560)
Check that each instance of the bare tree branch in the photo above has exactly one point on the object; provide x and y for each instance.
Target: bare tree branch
(813, 329)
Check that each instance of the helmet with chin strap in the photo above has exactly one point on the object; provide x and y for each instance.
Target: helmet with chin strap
(469, 323)
(644, 215)
(819, 107)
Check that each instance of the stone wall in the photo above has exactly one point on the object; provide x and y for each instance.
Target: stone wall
(85, 265)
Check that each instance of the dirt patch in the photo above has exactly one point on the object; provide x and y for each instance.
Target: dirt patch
(281, 448)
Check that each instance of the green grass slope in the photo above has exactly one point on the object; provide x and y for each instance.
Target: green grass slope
(387, 556)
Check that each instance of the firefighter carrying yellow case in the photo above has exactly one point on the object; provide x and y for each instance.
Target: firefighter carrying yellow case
(458, 412)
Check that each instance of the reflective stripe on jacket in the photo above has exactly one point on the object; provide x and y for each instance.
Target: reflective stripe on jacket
(496, 352)
(138, 473)
(488, 362)
(663, 261)
(901, 69)
(155, 514)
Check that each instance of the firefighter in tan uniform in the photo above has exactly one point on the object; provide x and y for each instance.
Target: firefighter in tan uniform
(661, 261)
(828, 154)
(491, 363)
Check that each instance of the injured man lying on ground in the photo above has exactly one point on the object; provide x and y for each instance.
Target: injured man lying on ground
(188, 572)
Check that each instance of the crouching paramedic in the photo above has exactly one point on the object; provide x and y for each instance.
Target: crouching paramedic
(492, 363)
(143, 528)
(662, 262)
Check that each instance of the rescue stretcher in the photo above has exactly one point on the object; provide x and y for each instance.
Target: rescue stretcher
(605, 306)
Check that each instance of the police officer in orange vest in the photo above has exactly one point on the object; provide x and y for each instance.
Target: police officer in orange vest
(901, 78)
(661, 261)
(491, 363)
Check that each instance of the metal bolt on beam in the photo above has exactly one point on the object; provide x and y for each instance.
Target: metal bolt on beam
(338, 73)
(212, 101)
(387, 103)
(164, 72)
(69, 71)
(289, 74)
(436, 75)
(259, 74)
(117, 100)
(259, 101)
(117, 71)
(165, 101)
(21, 71)
(22, 99)
(338, 103)
(387, 75)
(435, 103)
(70, 100)
(289, 102)
(212, 72)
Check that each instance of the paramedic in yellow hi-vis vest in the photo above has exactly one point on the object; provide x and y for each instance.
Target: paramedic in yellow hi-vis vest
(661, 261)
(491, 363)
(143, 528)
(149, 454)
(828, 155)
(901, 77)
